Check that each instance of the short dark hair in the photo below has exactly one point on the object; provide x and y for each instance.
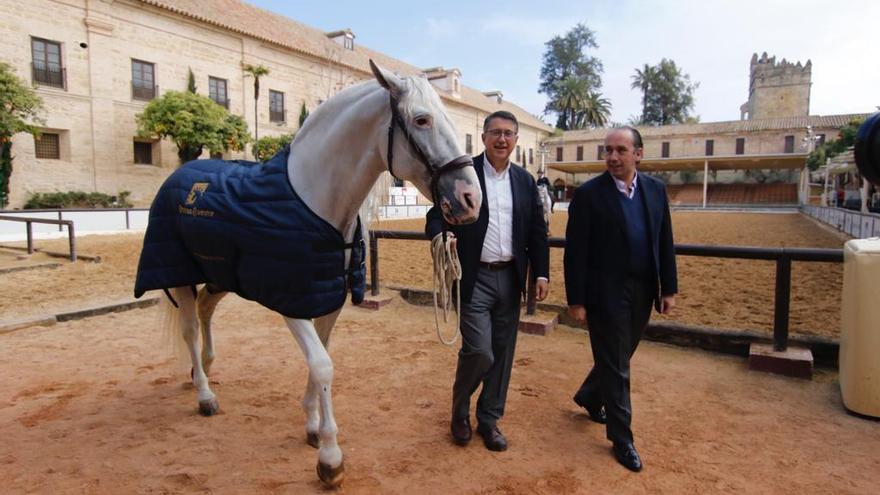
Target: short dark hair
(500, 114)
(636, 135)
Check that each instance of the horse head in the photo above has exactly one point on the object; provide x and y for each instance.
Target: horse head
(434, 161)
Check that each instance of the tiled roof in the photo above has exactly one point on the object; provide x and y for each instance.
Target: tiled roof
(733, 126)
(248, 20)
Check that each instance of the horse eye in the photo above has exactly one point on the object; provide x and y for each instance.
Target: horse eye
(423, 121)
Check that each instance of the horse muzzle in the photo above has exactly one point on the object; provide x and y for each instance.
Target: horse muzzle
(458, 194)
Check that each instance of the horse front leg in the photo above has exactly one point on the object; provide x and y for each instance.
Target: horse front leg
(187, 325)
(323, 325)
(330, 466)
(206, 303)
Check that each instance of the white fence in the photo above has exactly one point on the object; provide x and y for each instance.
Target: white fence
(857, 224)
(87, 221)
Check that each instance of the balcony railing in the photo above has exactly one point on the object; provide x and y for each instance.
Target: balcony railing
(49, 77)
(140, 92)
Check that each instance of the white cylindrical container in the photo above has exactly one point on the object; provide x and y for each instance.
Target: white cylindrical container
(859, 359)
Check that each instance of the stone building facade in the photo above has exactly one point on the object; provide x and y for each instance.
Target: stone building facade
(97, 63)
(775, 133)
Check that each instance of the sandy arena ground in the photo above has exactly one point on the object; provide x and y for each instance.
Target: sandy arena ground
(100, 406)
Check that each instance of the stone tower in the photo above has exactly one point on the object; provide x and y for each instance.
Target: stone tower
(777, 89)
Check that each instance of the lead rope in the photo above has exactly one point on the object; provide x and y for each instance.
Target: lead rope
(447, 269)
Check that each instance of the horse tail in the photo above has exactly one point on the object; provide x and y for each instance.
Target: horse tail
(171, 321)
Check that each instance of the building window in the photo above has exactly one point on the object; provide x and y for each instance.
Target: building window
(143, 80)
(276, 106)
(143, 153)
(48, 146)
(468, 144)
(600, 150)
(580, 153)
(348, 43)
(217, 91)
(740, 146)
(789, 144)
(531, 156)
(710, 147)
(517, 153)
(46, 66)
(820, 139)
(664, 149)
(559, 153)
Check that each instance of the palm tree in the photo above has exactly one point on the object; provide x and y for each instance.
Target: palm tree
(644, 79)
(596, 110)
(570, 97)
(257, 71)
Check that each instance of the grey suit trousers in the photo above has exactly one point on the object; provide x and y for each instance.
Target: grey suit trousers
(488, 339)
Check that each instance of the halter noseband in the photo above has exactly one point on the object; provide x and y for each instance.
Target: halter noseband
(435, 172)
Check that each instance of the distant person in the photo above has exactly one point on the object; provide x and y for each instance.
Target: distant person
(544, 181)
(619, 261)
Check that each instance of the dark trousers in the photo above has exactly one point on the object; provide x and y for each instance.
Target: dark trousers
(488, 339)
(615, 333)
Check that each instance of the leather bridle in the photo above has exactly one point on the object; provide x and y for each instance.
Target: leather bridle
(434, 171)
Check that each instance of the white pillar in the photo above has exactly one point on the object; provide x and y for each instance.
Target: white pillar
(705, 180)
(863, 195)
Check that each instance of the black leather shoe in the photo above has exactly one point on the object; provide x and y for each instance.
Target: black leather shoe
(493, 439)
(597, 414)
(626, 454)
(461, 430)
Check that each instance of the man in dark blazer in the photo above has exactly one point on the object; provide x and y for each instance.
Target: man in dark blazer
(495, 253)
(619, 262)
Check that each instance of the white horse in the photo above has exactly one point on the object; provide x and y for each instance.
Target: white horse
(334, 161)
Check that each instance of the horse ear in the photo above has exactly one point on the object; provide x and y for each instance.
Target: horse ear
(387, 79)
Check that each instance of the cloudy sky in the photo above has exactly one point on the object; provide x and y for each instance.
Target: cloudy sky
(499, 44)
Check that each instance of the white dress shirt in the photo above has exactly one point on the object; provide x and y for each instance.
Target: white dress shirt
(621, 186)
(498, 244)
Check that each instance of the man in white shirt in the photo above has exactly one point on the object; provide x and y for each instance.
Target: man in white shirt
(495, 253)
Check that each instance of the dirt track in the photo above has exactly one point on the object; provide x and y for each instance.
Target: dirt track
(100, 406)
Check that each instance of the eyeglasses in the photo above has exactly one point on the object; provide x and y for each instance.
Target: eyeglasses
(497, 133)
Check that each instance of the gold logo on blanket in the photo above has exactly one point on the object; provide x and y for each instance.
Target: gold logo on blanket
(199, 189)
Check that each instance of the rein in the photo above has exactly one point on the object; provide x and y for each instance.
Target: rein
(435, 172)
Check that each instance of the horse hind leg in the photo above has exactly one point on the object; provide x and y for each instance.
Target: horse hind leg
(206, 303)
(187, 326)
(323, 326)
(330, 466)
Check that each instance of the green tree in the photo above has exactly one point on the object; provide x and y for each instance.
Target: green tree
(303, 114)
(19, 109)
(191, 81)
(667, 93)
(569, 74)
(643, 79)
(266, 147)
(257, 71)
(193, 122)
(834, 147)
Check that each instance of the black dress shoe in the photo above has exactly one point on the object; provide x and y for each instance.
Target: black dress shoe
(461, 430)
(626, 454)
(597, 414)
(493, 439)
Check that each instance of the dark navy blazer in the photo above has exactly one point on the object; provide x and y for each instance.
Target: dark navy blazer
(597, 249)
(529, 231)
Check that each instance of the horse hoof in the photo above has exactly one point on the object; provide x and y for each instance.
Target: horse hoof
(209, 407)
(313, 440)
(332, 477)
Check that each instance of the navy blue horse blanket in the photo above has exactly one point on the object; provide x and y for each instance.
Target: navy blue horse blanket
(241, 227)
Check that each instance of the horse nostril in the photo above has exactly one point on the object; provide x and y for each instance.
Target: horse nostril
(469, 201)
